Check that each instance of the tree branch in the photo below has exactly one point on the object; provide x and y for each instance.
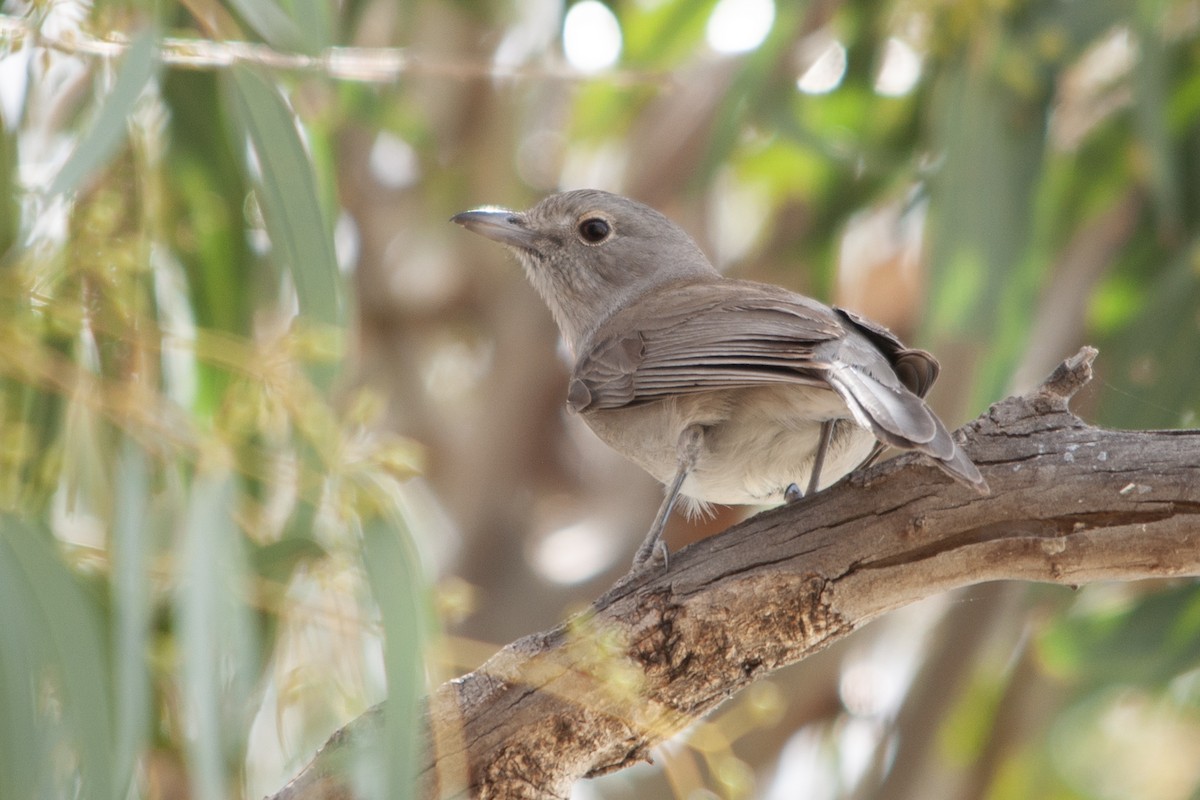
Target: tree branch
(1070, 504)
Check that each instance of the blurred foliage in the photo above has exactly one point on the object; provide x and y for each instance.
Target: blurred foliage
(187, 485)
(209, 555)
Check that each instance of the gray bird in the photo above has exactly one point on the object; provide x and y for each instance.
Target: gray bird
(727, 391)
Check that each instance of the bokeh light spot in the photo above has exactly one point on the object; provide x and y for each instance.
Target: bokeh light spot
(393, 161)
(826, 71)
(575, 553)
(900, 69)
(737, 26)
(591, 36)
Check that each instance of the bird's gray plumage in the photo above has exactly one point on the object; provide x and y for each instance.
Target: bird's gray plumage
(664, 344)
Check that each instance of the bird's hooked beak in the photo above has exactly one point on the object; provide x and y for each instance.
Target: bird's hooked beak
(499, 225)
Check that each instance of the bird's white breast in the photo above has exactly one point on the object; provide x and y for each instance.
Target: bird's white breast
(756, 442)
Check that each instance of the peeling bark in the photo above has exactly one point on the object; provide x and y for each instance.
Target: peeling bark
(1070, 504)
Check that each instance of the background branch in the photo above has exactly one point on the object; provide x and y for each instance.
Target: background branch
(380, 65)
(1070, 504)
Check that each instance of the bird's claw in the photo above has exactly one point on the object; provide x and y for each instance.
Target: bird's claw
(649, 558)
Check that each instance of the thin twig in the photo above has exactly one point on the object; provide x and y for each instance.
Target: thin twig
(375, 65)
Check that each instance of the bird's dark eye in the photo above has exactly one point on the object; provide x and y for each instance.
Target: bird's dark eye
(594, 230)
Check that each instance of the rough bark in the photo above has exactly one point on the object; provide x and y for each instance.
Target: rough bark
(1070, 504)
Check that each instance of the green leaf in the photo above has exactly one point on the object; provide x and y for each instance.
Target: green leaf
(24, 755)
(965, 731)
(1148, 642)
(10, 209)
(108, 131)
(1150, 89)
(982, 201)
(300, 233)
(219, 654)
(272, 23)
(48, 613)
(208, 193)
(663, 33)
(206, 223)
(278, 560)
(1150, 362)
(396, 583)
(315, 21)
(131, 604)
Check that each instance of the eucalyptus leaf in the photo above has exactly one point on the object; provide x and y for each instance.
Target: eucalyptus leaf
(24, 757)
(396, 583)
(10, 211)
(131, 603)
(300, 232)
(314, 18)
(65, 624)
(272, 23)
(107, 133)
(219, 652)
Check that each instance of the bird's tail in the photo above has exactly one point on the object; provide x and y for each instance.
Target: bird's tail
(900, 418)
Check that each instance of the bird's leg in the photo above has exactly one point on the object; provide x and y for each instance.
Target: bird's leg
(814, 477)
(689, 450)
(792, 493)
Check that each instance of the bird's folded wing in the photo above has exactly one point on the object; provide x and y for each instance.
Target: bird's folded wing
(916, 369)
(701, 337)
(708, 336)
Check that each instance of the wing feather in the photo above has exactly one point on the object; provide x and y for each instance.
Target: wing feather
(708, 338)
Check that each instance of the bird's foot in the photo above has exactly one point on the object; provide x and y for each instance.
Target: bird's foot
(792, 493)
(651, 558)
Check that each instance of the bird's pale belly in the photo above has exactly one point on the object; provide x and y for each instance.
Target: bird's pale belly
(756, 441)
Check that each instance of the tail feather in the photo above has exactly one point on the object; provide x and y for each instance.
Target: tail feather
(964, 470)
(900, 418)
(896, 415)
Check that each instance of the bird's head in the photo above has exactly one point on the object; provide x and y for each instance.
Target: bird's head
(589, 253)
